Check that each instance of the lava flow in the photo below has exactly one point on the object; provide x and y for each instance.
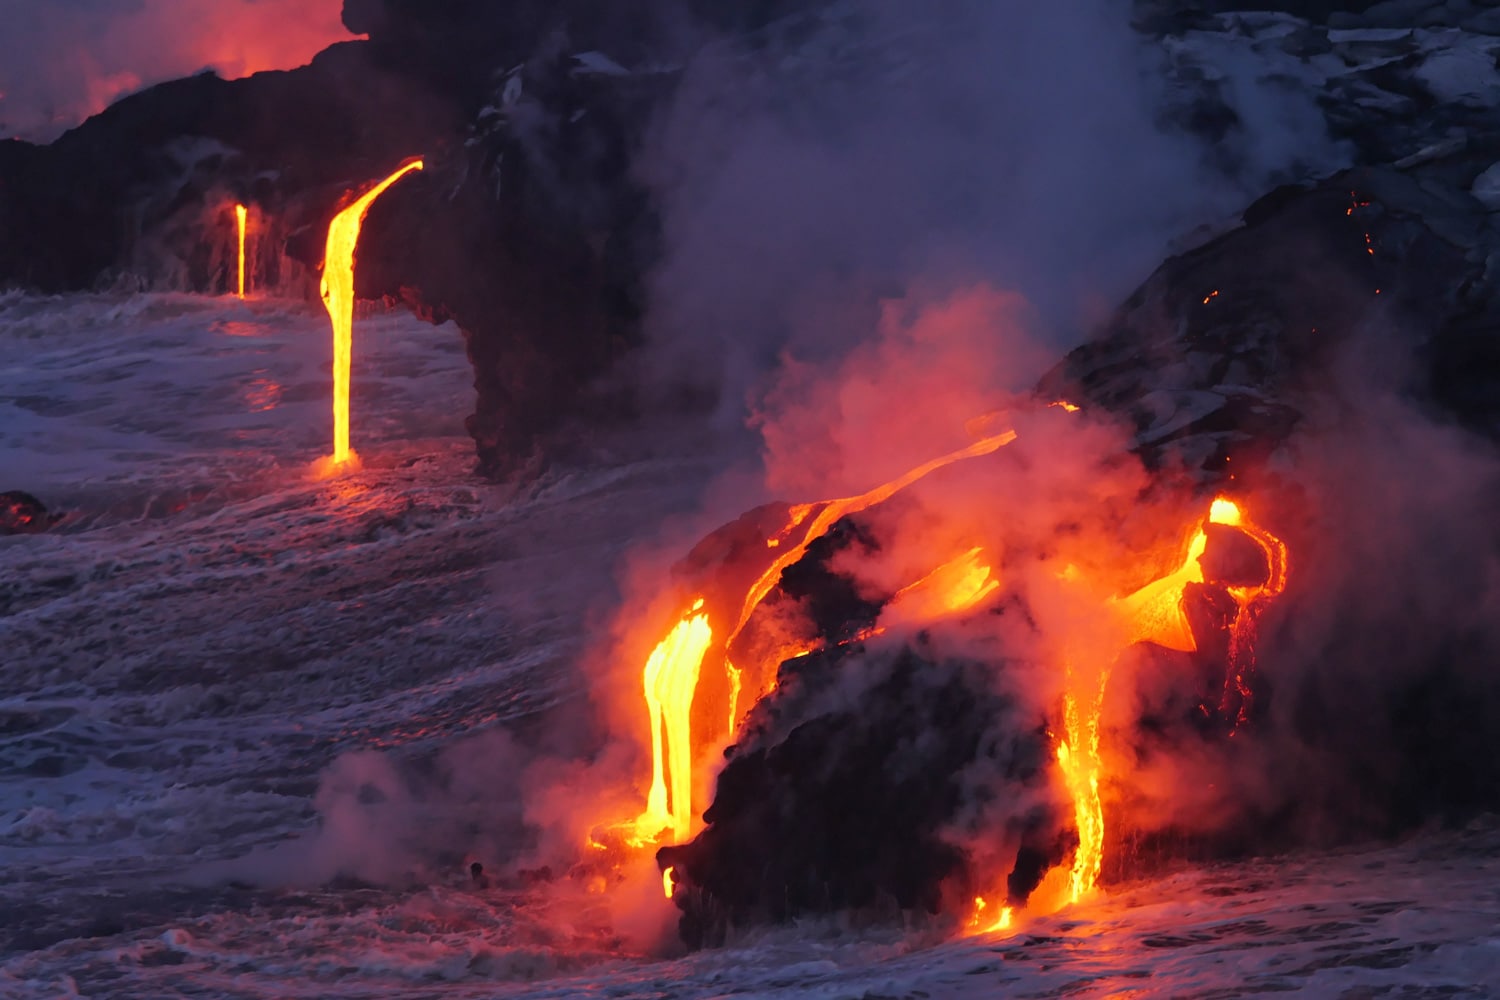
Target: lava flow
(671, 677)
(671, 673)
(241, 217)
(1154, 613)
(338, 298)
(953, 587)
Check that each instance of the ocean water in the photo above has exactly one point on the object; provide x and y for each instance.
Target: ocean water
(214, 645)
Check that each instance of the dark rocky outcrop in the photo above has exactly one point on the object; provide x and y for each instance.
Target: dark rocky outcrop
(1218, 355)
(526, 229)
(845, 789)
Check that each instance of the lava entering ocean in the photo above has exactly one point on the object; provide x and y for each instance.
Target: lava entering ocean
(337, 289)
(698, 645)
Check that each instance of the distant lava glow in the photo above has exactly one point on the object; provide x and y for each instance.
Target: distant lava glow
(338, 297)
(72, 60)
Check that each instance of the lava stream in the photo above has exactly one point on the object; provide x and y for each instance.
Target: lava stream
(671, 677)
(241, 217)
(1154, 614)
(1082, 766)
(338, 298)
(955, 586)
(671, 673)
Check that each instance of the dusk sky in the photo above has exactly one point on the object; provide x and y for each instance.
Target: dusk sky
(61, 62)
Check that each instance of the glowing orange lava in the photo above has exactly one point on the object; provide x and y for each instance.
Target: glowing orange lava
(1082, 767)
(672, 670)
(953, 587)
(829, 512)
(241, 217)
(979, 924)
(671, 678)
(1154, 613)
(338, 297)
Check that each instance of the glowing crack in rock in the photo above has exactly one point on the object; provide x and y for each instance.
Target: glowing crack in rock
(338, 298)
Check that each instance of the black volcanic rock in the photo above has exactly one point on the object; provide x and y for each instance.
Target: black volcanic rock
(847, 791)
(128, 189)
(525, 228)
(1218, 354)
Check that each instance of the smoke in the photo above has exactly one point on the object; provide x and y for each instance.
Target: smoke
(1388, 697)
(910, 153)
(62, 62)
(888, 229)
(387, 819)
(1382, 703)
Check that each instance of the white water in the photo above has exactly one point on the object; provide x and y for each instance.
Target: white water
(210, 629)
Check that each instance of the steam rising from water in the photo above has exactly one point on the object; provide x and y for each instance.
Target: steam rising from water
(905, 152)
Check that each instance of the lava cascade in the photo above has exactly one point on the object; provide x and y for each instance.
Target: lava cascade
(1153, 613)
(241, 219)
(337, 289)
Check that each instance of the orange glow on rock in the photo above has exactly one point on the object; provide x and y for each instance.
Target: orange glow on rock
(337, 288)
(666, 881)
(241, 218)
(124, 47)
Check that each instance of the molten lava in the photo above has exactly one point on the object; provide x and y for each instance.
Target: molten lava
(338, 297)
(671, 678)
(1154, 613)
(979, 924)
(672, 670)
(830, 511)
(1082, 767)
(241, 217)
(953, 587)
